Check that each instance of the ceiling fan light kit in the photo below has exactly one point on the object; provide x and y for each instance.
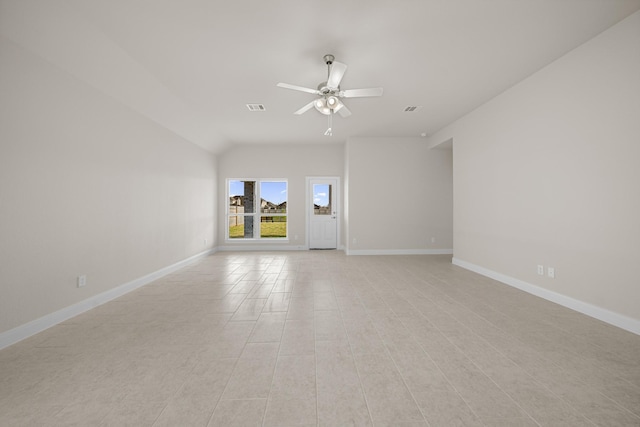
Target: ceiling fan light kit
(329, 93)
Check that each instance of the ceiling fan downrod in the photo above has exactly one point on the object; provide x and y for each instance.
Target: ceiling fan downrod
(328, 59)
(323, 87)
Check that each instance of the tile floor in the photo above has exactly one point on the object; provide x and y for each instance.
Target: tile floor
(318, 338)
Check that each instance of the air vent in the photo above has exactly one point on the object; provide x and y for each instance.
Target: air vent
(256, 107)
(412, 108)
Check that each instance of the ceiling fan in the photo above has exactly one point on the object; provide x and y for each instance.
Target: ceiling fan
(329, 92)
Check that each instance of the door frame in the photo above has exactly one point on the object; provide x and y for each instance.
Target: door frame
(308, 201)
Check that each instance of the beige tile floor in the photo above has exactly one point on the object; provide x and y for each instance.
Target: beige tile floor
(318, 338)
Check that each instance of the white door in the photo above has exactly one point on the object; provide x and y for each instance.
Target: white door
(323, 213)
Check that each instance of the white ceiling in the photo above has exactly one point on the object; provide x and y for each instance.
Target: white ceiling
(192, 65)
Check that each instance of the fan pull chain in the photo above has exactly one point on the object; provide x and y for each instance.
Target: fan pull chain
(329, 132)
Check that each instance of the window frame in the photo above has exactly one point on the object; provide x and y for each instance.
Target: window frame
(257, 215)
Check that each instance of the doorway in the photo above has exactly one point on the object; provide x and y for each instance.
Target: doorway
(323, 212)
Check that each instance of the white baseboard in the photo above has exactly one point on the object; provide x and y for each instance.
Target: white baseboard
(610, 317)
(399, 252)
(21, 332)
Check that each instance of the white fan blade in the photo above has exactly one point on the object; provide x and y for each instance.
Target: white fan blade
(358, 93)
(300, 88)
(305, 108)
(335, 76)
(343, 110)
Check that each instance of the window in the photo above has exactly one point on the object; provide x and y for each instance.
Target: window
(322, 199)
(257, 209)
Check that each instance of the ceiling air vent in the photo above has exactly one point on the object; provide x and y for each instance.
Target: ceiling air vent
(256, 107)
(412, 108)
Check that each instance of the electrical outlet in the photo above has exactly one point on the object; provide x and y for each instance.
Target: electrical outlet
(551, 272)
(205, 242)
(82, 281)
(354, 241)
(295, 237)
(433, 240)
(540, 270)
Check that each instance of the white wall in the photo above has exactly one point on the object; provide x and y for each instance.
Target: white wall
(293, 162)
(548, 173)
(399, 196)
(88, 186)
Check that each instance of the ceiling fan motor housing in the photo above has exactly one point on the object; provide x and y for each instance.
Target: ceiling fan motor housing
(327, 91)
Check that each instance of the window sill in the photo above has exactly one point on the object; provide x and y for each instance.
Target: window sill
(265, 239)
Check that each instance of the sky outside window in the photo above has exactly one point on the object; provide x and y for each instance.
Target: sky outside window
(274, 191)
(321, 194)
(236, 188)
